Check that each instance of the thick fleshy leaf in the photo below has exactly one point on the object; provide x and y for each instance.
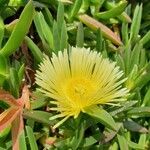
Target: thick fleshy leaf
(56, 37)
(3, 65)
(8, 98)
(124, 32)
(136, 21)
(1, 31)
(60, 17)
(136, 146)
(13, 115)
(38, 55)
(39, 100)
(142, 139)
(75, 8)
(146, 101)
(135, 127)
(21, 73)
(139, 112)
(19, 31)
(44, 32)
(9, 116)
(31, 138)
(79, 135)
(113, 12)
(80, 35)
(22, 141)
(102, 116)
(91, 140)
(39, 116)
(127, 105)
(64, 37)
(17, 124)
(94, 24)
(17, 128)
(123, 143)
(14, 82)
(146, 38)
(3, 69)
(122, 16)
(114, 146)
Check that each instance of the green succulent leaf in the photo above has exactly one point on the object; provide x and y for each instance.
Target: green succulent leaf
(34, 49)
(22, 141)
(102, 116)
(31, 138)
(117, 10)
(39, 116)
(1, 31)
(123, 143)
(19, 31)
(139, 112)
(80, 35)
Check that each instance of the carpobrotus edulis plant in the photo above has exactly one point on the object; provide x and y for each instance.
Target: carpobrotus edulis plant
(79, 80)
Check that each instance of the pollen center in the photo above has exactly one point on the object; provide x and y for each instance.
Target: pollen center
(79, 89)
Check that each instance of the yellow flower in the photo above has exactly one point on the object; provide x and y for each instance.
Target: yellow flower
(79, 80)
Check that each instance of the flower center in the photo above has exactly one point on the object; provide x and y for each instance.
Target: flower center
(79, 88)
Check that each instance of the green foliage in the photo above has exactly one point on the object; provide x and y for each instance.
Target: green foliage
(113, 12)
(102, 116)
(22, 142)
(34, 49)
(20, 30)
(3, 69)
(31, 138)
(80, 36)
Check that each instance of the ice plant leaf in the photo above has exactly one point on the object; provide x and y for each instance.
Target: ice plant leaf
(17, 124)
(79, 80)
(75, 8)
(102, 116)
(133, 145)
(43, 30)
(13, 115)
(17, 128)
(14, 82)
(80, 35)
(139, 112)
(23, 25)
(60, 16)
(7, 98)
(123, 143)
(7, 117)
(117, 10)
(1, 31)
(135, 127)
(94, 24)
(146, 38)
(123, 16)
(38, 116)
(22, 141)
(34, 49)
(3, 69)
(31, 138)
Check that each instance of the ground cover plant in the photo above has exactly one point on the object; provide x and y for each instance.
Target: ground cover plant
(74, 75)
